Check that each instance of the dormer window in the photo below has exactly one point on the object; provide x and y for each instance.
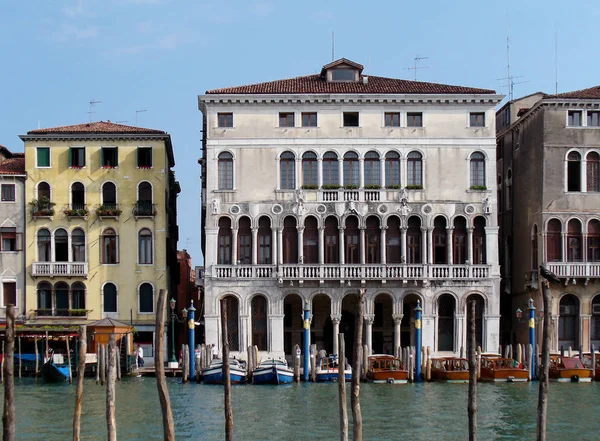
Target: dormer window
(342, 70)
(343, 74)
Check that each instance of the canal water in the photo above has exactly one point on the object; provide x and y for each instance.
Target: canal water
(427, 411)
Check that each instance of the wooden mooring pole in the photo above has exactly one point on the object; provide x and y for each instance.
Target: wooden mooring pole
(297, 363)
(342, 389)
(79, 389)
(545, 367)
(8, 372)
(356, 367)
(111, 379)
(37, 355)
(472, 406)
(226, 374)
(159, 366)
(20, 359)
(69, 360)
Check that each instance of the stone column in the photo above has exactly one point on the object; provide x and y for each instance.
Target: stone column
(491, 250)
(70, 250)
(53, 249)
(301, 245)
(341, 170)
(491, 333)
(320, 171)
(584, 238)
(274, 247)
(297, 174)
(275, 339)
(383, 245)
(278, 174)
(245, 332)
(584, 330)
(362, 246)
(234, 246)
(382, 171)
(335, 318)
(254, 245)
(460, 333)
(449, 243)
(543, 246)
(430, 245)
(369, 333)
(361, 173)
(424, 253)
(280, 246)
(403, 245)
(212, 249)
(397, 322)
(470, 245)
(565, 248)
(321, 245)
(341, 244)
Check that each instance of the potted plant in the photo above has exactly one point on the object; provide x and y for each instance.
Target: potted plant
(310, 186)
(393, 186)
(108, 211)
(78, 312)
(351, 187)
(414, 187)
(330, 186)
(76, 212)
(478, 187)
(372, 187)
(42, 207)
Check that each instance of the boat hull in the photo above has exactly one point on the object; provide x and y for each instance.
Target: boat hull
(570, 375)
(450, 377)
(52, 373)
(215, 375)
(504, 375)
(332, 375)
(272, 375)
(390, 377)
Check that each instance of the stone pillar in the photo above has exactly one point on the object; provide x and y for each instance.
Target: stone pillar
(70, 250)
(565, 248)
(491, 333)
(274, 247)
(362, 246)
(361, 173)
(234, 246)
(470, 245)
(53, 248)
(320, 171)
(341, 243)
(369, 333)
(254, 245)
(278, 174)
(543, 247)
(280, 246)
(212, 329)
(449, 243)
(382, 171)
(584, 239)
(336, 318)
(428, 331)
(212, 249)
(424, 253)
(403, 245)
(397, 322)
(275, 342)
(491, 250)
(321, 245)
(460, 332)
(585, 331)
(301, 245)
(341, 170)
(245, 332)
(430, 245)
(298, 174)
(383, 245)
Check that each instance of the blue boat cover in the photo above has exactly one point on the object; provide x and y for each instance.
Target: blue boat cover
(27, 357)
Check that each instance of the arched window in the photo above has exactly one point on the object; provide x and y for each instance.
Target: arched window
(415, 170)
(554, 241)
(372, 236)
(310, 172)
(446, 309)
(331, 175)
(224, 257)
(479, 246)
(477, 170)
(78, 297)
(110, 246)
(593, 241)
(44, 299)
(145, 192)
(259, 322)
(78, 245)
(311, 241)
(331, 240)
(574, 172)
(61, 245)
(593, 172)
(392, 170)
(595, 323)
(351, 236)
(225, 171)
(459, 241)
(244, 241)
(265, 251)
(43, 191)
(61, 294)
(440, 241)
(287, 168)
(351, 169)
(44, 245)
(109, 298)
(568, 322)
(393, 250)
(290, 240)
(233, 335)
(109, 195)
(479, 304)
(145, 247)
(77, 196)
(146, 298)
(372, 167)
(574, 240)
(413, 237)
(534, 248)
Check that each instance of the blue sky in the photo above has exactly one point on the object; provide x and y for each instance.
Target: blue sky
(158, 55)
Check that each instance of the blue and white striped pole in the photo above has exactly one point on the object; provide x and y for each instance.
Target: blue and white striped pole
(191, 325)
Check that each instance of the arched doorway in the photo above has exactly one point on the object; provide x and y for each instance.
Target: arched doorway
(407, 331)
(479, 308)
(568, 322)
(321, 328)
(233, 334)
(446, 309)
(292, 323)
(595, 322)
(348, 323)
(383, 325)
(259, 306)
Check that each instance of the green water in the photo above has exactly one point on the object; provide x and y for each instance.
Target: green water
(309, 411)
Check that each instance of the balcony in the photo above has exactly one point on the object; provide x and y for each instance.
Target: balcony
(108, 210)
(412, 272)
(56, 269)
(74, 313)
(575, 270)
(144, 209)
(76, 211)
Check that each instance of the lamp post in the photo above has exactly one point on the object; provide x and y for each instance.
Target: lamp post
(191, 324)
(418, 311)
(174, 317)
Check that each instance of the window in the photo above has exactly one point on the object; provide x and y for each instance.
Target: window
(224, 237)
(287, 168)
(331, 174)
(146, 298)
(61, 245)
(331, 240)
(290, 240)
(351, 169)
(393, 249)
(225, 171)
(477, 119)
(342, 75)
(310, 173)
(574, 241)
(44, 298)
(309, 119)
(8, 193)
(310, 249)
(109, 157)
(373, 239)
(479, 248)
(264, 241)
(109, 195)
(459, 238)
(286, 119)
(145, 247)
(78, 245)
(413, 237)
(44, 245)
(372, 168)
(350, 119)
(78, 296)
(77, 157)
(9, 293)
(109, 298)
(351, 236)
(593, 119)
(574, 118)
(593, 241)
(440, 241)
(144, 205)
(77, 196)
(225, 119)
(244, 241)
(392, 170)
(593, 171)
(61, 299)
(110, 247)
(477, 171)
(43, 156)
(10, 240)
(43, 191)
(553, 241)
(414, 119)
(574, 171)
(415, 170)
(144, 157)
(392, 119)
(259, 322)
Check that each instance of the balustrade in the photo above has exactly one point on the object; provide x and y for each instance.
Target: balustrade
(51, 269)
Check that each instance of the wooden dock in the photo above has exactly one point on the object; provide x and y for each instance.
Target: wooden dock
(151, 372)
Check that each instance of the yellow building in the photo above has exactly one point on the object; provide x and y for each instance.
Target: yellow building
(101, 225)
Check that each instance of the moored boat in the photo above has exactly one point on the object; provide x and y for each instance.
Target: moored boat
(587, 362)
(55, 373)
(386, 369)
(565, 369)
(496, 368)
(272, 371)
(450, 369)
(213, 374)
(328, 368)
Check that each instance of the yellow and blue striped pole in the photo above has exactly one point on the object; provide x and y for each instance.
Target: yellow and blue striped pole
(531, 310)
(418, 311)
(306, 345)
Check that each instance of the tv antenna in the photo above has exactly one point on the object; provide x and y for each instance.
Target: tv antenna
(509, 77)
(137, 112)
(92, 103)
(415, 67)
(332, 46)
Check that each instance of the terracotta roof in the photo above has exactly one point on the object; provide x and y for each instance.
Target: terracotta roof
(13, 166)
(95, 128)
(315, 84)
(591, 93)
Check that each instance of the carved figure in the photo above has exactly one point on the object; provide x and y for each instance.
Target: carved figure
(216, 206)
(487, 205)
(404, 207)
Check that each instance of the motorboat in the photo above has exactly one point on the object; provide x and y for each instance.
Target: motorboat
(450, 369)
(496, 368)
(213, 374)
(272, 371)
(384, 368)
(328, 369)
(587, 362)
(569, 369)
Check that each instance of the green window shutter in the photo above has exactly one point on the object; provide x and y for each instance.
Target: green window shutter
(43, 157)
(116, 157)
(82, 162)
(102, 157)
(70, 156)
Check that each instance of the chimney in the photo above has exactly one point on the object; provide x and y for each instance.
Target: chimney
(365, 80)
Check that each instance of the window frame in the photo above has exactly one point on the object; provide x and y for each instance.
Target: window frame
(139, 296)
(286, 120)
(3, 282)
(37, 158)
(104, 311)
(14, 193)
(415, 118)
(137, 158)
(394, 117)
(477, 166)
(103, 260)
(412, 175)
(103, 151)
(592, 113)
(312, 168)
(571, 114)
(287, 170)
(227, 120)
(475, 122)
(348, 114)
(229, 181)
(72, 150)
(18, 239)
(151, 244)
(309, 115)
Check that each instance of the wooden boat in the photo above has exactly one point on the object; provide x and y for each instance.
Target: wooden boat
(386, 369)
(496, 368)
(587, 362)
(272, 372)
(565, 369)
(327, 369)
(54, 373)
(450, 369)
(213, 374)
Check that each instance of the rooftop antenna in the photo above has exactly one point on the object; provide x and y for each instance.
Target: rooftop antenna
(332, 46)
(137, 112)
(509, 77)
(556, 62)
(415, 67)
(121, 122)
(92, 103)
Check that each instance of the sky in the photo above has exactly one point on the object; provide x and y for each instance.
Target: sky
(148, 60)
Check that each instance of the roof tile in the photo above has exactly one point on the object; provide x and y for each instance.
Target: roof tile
(590, 93)
(13, 166)
(101, 127)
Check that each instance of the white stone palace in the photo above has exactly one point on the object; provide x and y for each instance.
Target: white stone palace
(316, 186)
